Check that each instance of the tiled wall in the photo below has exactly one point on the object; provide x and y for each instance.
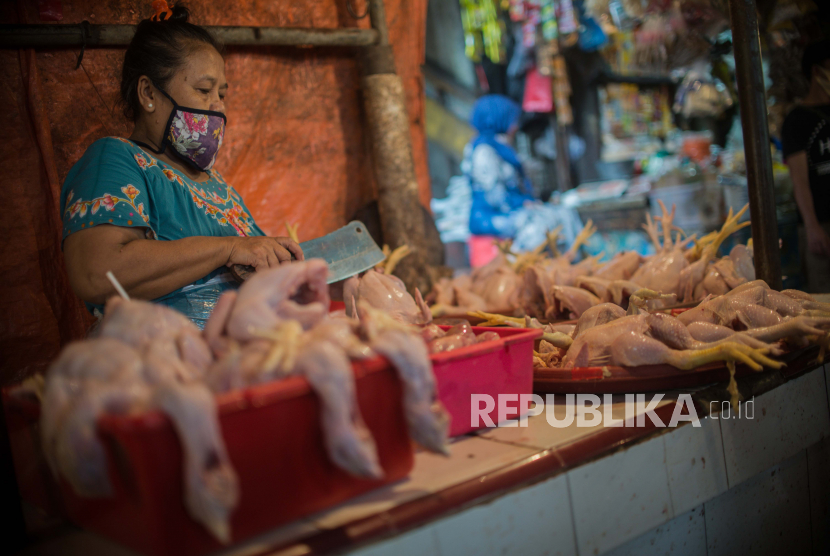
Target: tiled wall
(737, 486)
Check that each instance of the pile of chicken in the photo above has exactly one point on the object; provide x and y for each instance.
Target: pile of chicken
(744, 325)
(380, 289)
(553, 288)
(149, 357)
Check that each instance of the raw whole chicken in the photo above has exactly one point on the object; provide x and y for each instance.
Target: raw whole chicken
(87, 379)
(621, 267)
(107, 375)
(693, 275)
(759, 312)
(499, 290)
(460, 335)
(597, 286)
(570, 302)
(428, 421)
(387, 293)
(662, 271)
(526, 284)
(655, 338)
(537, 294)
(721, 277)
(141, 324)
(348, 442)
(741, 256)
(299, 292)
(320, 350)
(596, 316)
(495, 286)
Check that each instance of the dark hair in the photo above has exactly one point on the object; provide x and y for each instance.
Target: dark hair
(814, 54)
(158, 50)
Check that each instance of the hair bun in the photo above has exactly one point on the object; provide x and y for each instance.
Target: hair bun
(166, 12)
(180, 14)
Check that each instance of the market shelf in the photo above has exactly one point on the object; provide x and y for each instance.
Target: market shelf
(646, 80)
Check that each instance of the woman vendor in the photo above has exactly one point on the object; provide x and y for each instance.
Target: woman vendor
(151, 208)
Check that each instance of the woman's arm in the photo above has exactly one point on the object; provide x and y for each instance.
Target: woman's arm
(149, 268)
(818, 241)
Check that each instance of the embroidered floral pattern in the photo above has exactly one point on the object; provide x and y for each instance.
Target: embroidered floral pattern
(143, 163)
(107, 202)
(234, 216)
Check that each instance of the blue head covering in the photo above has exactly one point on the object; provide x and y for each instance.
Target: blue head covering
(494, 115)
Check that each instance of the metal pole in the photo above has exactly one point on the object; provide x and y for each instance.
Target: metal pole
(753, 105)
(86, 34)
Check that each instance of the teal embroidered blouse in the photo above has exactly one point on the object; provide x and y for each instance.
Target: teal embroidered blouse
(116, 182)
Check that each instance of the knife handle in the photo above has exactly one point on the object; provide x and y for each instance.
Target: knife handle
(242, 272)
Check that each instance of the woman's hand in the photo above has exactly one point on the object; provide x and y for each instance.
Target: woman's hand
(264, 252)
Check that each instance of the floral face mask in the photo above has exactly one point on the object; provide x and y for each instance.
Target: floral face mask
(195, 134)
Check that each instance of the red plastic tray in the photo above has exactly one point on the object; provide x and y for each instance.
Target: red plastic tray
(647, 378)
(503, 366)
(274, 441)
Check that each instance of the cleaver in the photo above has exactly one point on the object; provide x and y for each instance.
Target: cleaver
(348, 251)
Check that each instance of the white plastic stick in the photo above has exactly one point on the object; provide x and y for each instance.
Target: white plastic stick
(117, 285)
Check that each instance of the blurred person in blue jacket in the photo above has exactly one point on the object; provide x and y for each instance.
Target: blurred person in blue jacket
(498, 181)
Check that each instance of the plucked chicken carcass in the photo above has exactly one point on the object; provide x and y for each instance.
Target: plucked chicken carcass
(570, 302)
(561, 269)
(321, 352)
(141, 324)
(661, 272)
(692, 277)
(299, 293)
(428, 421)
(755, 310)
(458, 336)
(109, 375)
(328, 369)
(321, 355)
(541, 299)
(621, 267)
(497, 284)
(388, 293)
(655, 338)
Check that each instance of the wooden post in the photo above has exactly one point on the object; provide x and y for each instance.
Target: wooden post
(60, 35)
(753, 105)
(401, 217)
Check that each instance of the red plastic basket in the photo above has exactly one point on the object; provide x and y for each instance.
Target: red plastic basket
(503, 366)
(274, 441)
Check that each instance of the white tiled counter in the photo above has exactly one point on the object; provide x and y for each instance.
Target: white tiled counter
(730, 486)
(751, 485)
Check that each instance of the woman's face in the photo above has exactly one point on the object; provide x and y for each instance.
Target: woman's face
(200, 83)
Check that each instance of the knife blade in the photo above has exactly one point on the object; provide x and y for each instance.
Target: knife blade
(348, 251)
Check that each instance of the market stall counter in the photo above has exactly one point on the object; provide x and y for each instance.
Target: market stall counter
(592, 485)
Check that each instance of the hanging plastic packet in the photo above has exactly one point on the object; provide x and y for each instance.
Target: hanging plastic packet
(550, 27)
(538, 95)
(568, 20)
(517, 10)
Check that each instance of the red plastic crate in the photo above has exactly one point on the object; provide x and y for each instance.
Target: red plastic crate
(274, 441)
(503, 366)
